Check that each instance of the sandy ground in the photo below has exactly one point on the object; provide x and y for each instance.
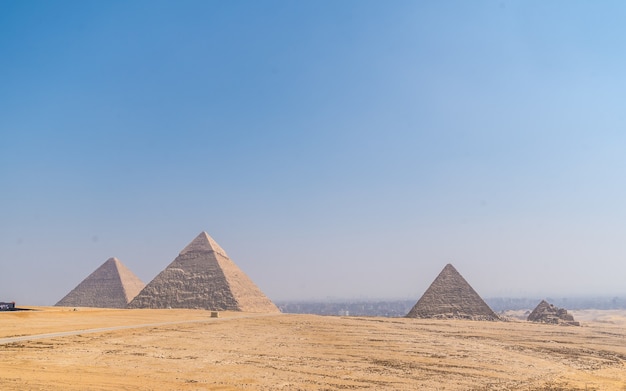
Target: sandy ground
(306, 352)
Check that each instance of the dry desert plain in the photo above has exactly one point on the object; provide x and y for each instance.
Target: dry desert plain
(189, 350)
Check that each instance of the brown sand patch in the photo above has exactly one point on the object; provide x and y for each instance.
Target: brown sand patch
(307, 352)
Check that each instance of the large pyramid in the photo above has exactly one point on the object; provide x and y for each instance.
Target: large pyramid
(202, 276)
(450, 296)
(112, 285)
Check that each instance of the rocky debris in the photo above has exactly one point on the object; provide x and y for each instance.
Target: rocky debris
(112, 285)
(549, 313)
(451, 297)
(203, 276)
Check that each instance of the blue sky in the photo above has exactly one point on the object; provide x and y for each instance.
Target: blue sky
(333, 149)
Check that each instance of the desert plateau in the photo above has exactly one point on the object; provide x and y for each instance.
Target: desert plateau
(59, 348)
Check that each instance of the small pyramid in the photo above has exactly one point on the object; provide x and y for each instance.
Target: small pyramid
(450, 296)
(549, 313)
(203, 276)
(112, 285)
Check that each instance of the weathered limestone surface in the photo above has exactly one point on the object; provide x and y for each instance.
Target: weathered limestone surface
(450, 296)
(112, 285)
(549, 313)
(202, 276)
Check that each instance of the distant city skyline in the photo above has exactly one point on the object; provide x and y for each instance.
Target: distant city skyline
(333, 149)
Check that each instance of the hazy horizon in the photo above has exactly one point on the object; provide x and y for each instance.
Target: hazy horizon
(333, 149)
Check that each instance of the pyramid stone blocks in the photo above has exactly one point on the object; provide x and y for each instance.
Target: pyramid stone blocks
(112, 285)
(548, 313)
(451, 297)
(203, 276)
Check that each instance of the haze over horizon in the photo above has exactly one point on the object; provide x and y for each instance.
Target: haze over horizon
(333, 149)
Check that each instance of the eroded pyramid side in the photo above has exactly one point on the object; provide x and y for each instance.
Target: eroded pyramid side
(451, 296)
(549, 313)
(112, 285)
(202, 276)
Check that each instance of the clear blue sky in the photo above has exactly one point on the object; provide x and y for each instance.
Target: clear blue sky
(333, 149)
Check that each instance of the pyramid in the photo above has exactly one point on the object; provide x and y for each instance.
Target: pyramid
(203, 276)
(112, 285)
(548, 313)
(450, 296)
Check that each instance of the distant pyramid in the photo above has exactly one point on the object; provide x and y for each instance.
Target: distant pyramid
(202, 276)
(549, 313)
(450, 296)
(112, 285)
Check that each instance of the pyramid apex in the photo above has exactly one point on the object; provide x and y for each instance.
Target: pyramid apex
(113, 262)
(204, 243)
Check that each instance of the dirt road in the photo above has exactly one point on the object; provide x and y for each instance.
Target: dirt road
(4, 341)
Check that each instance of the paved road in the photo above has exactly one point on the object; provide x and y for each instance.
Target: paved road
(4, 341)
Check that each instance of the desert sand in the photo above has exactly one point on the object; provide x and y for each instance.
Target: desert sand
(189, 350)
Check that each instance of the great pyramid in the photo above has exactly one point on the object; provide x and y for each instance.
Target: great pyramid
(450, 296)
(549, 313)
(202, 276)
(112, 285)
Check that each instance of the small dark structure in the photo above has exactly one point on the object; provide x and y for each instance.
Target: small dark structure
(7, 306)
